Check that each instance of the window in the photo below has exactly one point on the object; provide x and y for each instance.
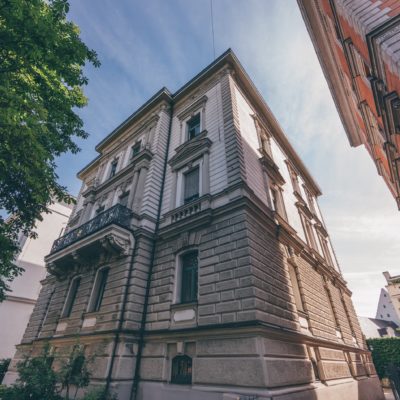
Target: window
(310, 200)
(308, 229)
(123, 199)
(294, 178)
(384, 306)
(73, 290)
(193, 126)
(181, 370)
(113, 169)
(296, 289)
(189, 270)
(277, 201)
(136, 148)
(325, 249)
(98, 290)
(388, 315)
(191, 185)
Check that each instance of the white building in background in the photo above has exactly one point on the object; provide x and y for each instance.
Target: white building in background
(389, 300)
(17, 308)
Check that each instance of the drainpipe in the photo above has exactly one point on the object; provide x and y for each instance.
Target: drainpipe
(136, 377)
(121, 321)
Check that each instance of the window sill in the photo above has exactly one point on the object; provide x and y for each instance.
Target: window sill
(180, 306)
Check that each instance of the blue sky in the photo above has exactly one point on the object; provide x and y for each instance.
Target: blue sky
(145, 45)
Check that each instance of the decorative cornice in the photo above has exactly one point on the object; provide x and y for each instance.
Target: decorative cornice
(190, 150)
(271, 168)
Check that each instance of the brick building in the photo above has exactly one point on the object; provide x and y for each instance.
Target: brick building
(358, 46)
(198, 261)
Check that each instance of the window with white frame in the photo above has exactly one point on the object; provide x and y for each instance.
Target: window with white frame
(309, 232)
(277, 200)
(191, 185)
(325, 249)
(193, 126)
(99, 288)
(71, 296)
(294, 178)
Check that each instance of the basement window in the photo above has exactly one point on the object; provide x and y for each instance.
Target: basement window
(181, 370)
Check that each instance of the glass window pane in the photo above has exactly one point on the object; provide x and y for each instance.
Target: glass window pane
(191, 185)
(194, 126)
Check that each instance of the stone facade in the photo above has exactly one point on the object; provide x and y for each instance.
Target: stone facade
(222, 282)
(357, 45)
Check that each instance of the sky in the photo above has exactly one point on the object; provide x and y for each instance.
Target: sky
(145, 45)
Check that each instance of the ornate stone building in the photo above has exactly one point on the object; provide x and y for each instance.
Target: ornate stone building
(197, 264)
(357, 43)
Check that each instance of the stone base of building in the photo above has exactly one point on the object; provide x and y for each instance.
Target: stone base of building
(349, 389)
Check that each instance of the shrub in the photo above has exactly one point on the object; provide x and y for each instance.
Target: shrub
(385, 353)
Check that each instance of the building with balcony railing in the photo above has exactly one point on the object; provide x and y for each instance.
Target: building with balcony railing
(357, 43)
(198, 261)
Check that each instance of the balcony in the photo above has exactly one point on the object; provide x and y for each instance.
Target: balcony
(106, 232)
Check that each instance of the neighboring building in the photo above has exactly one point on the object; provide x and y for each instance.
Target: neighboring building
(197, 264)
(386, 310)
(392, 295)
(357, 43)
(17, 308)
(378, 328)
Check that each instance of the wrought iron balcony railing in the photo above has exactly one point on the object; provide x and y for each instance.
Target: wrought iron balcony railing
(118, 214)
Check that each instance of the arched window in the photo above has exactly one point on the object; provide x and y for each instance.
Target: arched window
(181, 370)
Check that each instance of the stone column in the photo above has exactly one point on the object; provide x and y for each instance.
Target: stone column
(137, 200)
(132, 190)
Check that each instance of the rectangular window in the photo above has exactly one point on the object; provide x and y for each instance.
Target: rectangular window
(191, 185)
(98, 290)
(309, 233)
(114, 166)
(325, 249)
(73, 290)
(294, 178)
(189, 270)
(277, 201)
(193, 126)
(136, 148)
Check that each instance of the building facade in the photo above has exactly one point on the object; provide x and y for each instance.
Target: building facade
(373, 328)
(197, 264)
(357, 43)
(18, 306)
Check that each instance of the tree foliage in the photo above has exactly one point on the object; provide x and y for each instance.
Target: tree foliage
(41, 79)
(40, 379)
(385, 353)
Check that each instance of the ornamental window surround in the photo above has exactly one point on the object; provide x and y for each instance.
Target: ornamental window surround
(193, 127)
(325, 249)
(308, 231)
(71, 296)
(264, 137)
(294, 178)
(98, 290)
(193, 119)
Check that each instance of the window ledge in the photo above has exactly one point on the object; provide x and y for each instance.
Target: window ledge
(180, 306)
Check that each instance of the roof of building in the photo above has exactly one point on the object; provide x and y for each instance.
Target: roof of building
(228, 57)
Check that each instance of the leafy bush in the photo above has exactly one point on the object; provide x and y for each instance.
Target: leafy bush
(39, 381)
(385, 352)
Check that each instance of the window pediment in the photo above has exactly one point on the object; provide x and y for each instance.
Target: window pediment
(192, 108)
(190, 150)
(272, 169)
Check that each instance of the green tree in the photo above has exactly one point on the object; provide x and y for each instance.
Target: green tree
(41, 78)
